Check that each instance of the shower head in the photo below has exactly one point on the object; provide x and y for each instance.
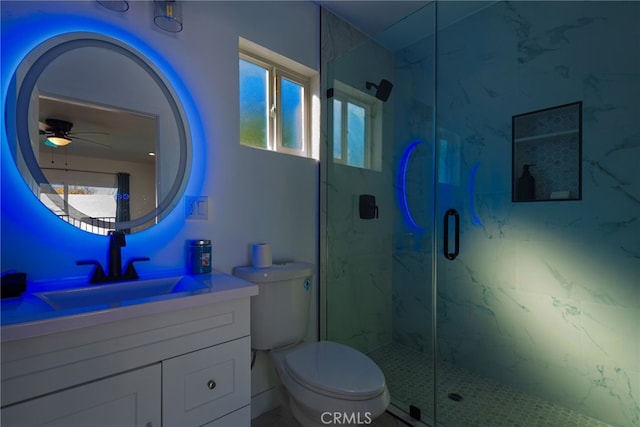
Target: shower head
(383, 89)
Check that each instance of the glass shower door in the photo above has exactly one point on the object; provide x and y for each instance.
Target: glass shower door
(378, 181)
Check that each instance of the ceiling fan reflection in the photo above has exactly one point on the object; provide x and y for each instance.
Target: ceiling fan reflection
(58, 133)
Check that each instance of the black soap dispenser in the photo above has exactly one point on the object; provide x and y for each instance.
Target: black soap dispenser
(526, 185)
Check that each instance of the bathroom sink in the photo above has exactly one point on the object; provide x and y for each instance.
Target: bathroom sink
(114, 294)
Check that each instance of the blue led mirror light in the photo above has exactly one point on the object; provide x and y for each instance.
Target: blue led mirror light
(30, 228)
(14, 52)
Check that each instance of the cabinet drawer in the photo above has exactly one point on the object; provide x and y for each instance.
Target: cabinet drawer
(204, 385)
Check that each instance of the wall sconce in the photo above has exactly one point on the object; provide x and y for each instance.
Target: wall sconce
(115, 5)
(168, 15)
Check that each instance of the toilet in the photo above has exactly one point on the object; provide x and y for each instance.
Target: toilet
(323, 382)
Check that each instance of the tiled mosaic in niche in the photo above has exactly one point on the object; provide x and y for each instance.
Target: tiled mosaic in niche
(555, 166)
(549, 141)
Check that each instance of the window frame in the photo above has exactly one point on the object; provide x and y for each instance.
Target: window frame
(276, 72)
(373, 108)
(344, 120)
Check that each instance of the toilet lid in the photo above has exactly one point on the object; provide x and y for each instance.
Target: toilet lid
(335, 369)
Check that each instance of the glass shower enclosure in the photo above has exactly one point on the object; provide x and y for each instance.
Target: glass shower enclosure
(479, 305)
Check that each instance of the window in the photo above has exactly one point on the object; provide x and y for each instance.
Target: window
(357, 128)
(275, 101)
(92, 201)
(97, 203)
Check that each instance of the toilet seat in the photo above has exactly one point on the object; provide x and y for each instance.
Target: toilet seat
(335, 370)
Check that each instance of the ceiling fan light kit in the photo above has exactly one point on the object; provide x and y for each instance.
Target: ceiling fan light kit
(58, 140)
(59, 133)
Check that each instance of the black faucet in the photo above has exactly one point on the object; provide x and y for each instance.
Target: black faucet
(116, 242)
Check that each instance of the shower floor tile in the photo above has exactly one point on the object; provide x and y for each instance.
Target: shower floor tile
(409, 375)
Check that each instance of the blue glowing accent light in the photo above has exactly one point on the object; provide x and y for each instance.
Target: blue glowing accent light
(402, 186)
(472, 185)
(23, 212)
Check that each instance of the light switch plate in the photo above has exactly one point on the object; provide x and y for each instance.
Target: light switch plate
(196, 207)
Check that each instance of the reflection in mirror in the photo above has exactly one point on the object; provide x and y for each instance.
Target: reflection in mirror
(102, 140)
(122, 160)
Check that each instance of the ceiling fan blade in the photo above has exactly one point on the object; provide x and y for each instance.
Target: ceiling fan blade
(43, 127)
(88, 133)
(89, 141)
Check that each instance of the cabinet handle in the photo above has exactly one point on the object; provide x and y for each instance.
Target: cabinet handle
(211, 384)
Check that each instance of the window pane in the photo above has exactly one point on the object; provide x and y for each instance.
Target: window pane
(254, 104)
(355, 135)
(94, 202)
(48, 200)
(337, 129)
(292, 96)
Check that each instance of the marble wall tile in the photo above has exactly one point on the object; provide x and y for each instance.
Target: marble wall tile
(610, 393)
(360, 302)
(584, 272)
(412, 316)
(607, 331)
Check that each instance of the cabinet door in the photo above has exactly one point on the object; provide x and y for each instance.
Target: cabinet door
(131, 399)
(202, 386)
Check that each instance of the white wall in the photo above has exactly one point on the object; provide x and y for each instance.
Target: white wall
(254, 195)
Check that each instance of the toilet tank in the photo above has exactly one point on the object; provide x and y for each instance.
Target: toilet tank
(280, 311)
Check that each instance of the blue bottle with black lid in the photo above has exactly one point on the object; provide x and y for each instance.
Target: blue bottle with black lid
(199, 256)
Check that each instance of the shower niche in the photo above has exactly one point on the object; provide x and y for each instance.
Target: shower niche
(547, 154)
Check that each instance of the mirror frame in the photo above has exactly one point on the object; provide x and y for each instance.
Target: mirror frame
(69, 41)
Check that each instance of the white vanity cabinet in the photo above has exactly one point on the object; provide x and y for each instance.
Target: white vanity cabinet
(126, 400)
(178, 367)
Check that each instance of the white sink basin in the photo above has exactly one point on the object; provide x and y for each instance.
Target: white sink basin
(114, 294)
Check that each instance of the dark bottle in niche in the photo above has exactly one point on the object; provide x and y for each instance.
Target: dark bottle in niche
(526, 185)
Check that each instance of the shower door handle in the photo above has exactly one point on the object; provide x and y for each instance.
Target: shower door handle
(456, 216)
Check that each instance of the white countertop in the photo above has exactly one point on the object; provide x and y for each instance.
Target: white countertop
(28, 316)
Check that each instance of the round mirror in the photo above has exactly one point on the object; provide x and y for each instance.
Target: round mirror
(100, 136)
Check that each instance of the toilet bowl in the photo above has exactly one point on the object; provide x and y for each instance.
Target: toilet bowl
(323, 383)
(330, 383)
